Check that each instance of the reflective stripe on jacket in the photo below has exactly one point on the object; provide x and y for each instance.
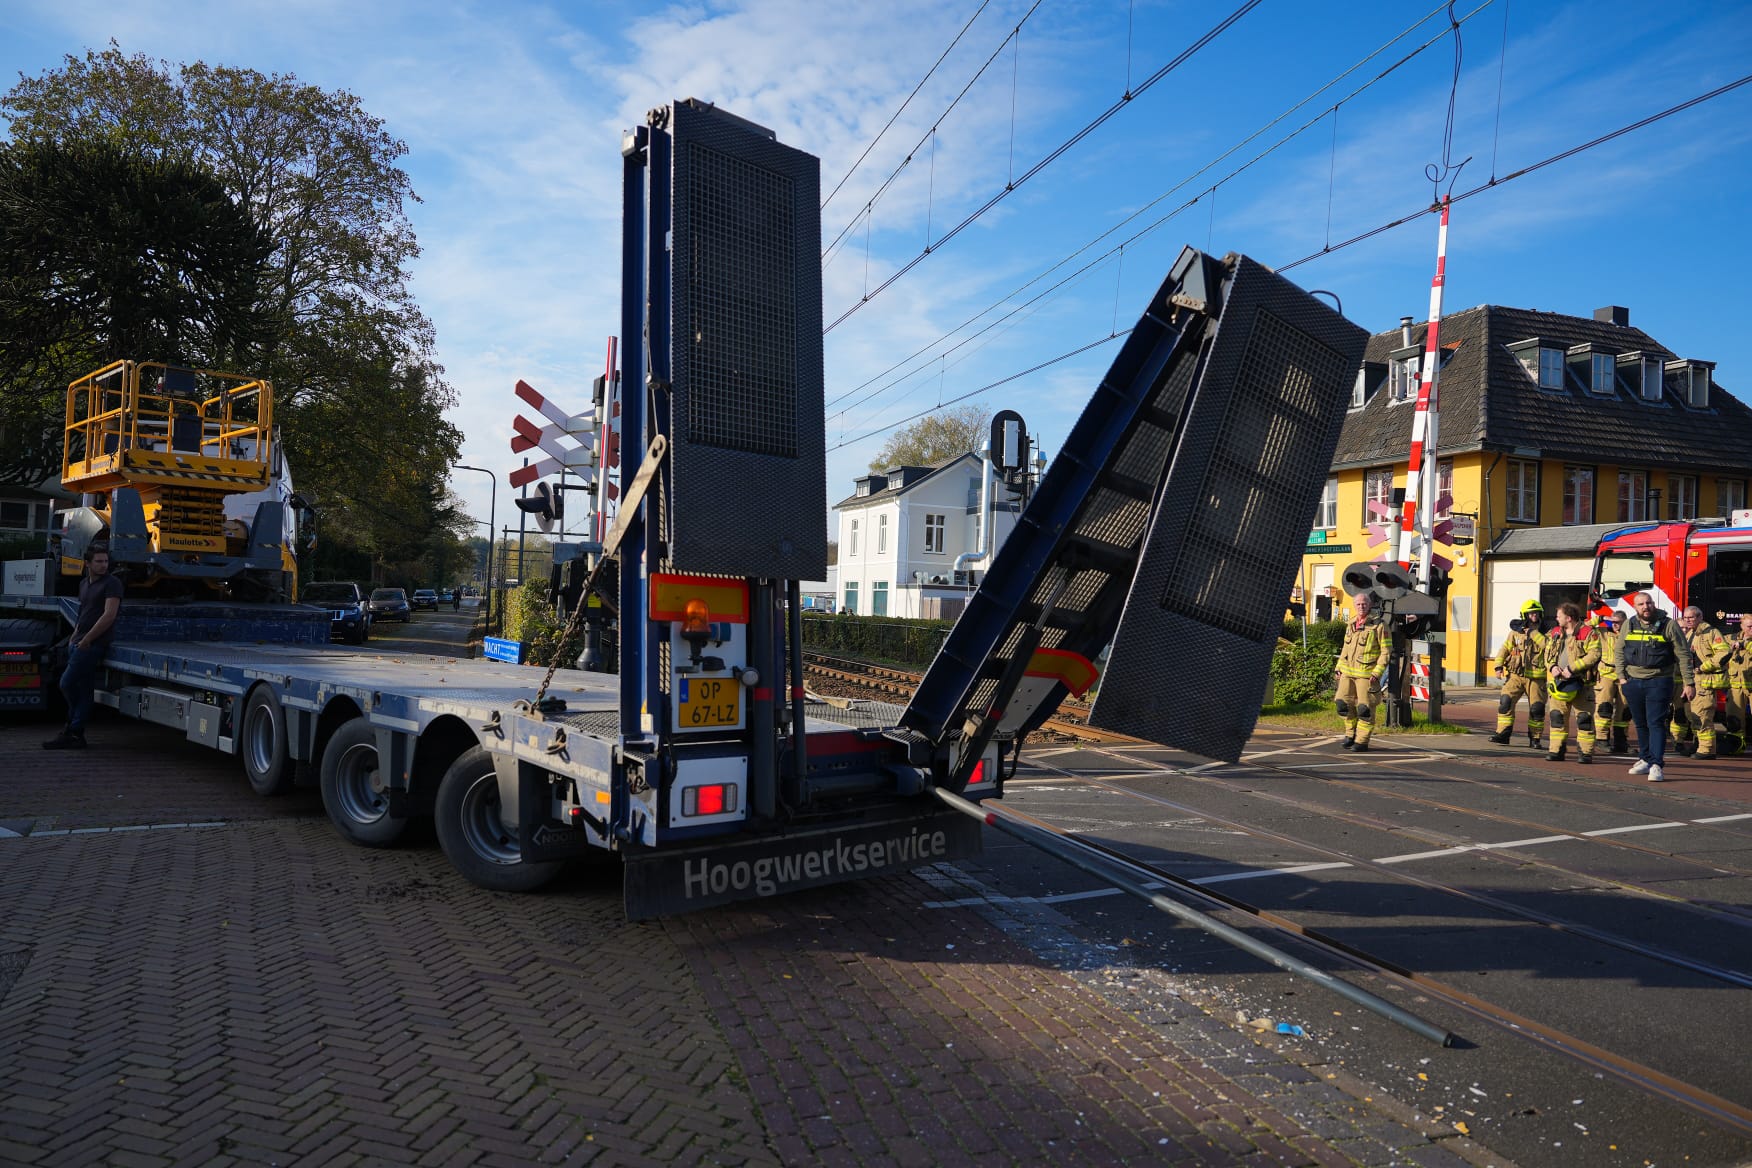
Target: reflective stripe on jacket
(1365, 649)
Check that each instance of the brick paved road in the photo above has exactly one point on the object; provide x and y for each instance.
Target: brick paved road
(255, 991)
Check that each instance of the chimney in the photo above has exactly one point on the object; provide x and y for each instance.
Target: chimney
(1613, 314)
(1405, 332)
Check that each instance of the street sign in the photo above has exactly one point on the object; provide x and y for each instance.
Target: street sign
(500, 649)
(1337, 549)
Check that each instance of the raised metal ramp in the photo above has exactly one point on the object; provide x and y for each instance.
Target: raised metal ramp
(1182, 499)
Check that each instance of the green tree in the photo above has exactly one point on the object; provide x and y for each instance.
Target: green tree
(935, 438)
(107, 253)
(359, 395)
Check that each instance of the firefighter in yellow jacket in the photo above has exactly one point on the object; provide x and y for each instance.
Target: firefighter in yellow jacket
(1611, 712)
(1694, 721)
(1521, 665)
(1361, 665)
(1572, 665)
(1740, 685)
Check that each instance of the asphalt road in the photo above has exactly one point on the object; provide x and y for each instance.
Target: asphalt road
(1605, 908)
(445, 632)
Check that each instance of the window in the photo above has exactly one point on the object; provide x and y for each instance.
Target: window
(1550, 368)
(1522, 485)
(973, 494)
(1444, 489)
(1326, 515)
(1697, 386)
(15, 516)
(879, 598)
(1654, 378)
(1605, 373)
(1404, 379)
(1633, 496)
(1730, 581)
(851, 596)
(1360, 391)
(935, 525)
(1378, 488)
(1578, 495)
(852, 541)
(1682, 496)
(1730, 496)
(1625, 572)
(882, 535)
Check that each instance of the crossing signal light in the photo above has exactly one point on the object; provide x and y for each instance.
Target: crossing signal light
(548, 505)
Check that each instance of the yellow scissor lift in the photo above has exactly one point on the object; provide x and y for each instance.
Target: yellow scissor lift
(156, 448)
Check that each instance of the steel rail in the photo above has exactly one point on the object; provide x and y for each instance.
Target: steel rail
(1498, 817)
(1070, 849)
(1507, 908)
(1628, 1071)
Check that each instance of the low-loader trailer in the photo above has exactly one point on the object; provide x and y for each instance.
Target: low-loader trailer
(1166, 534)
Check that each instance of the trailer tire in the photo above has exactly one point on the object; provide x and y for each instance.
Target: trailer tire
(473, 837)
(267, 763)
(357, 809)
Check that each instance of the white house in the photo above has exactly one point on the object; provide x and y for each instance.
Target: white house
(901, 531)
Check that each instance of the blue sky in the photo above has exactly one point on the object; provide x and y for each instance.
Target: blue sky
(512, 113)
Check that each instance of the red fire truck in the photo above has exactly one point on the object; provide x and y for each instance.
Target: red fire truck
(1706, 562)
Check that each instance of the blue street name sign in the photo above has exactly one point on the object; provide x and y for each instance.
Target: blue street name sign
(499, 649)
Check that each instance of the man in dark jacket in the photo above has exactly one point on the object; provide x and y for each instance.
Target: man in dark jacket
(100, 600)
(1648, 650)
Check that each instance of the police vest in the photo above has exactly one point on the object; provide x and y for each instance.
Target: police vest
(1646, 646)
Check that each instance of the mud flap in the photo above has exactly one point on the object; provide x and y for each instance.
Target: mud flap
(660, 882)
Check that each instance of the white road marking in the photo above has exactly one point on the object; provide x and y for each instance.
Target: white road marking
(1425, 855)
(1254, 873)
(1723, 818)
(1524, 843)
(1635, 827)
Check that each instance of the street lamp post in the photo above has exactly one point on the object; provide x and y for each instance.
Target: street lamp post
(492, 525)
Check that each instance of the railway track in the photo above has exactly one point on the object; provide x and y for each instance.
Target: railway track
(1595, 1058)
(1070, 723)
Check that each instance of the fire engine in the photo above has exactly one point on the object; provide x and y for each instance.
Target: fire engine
(1706, 562)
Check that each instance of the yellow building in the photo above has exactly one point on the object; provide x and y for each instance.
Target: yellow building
(1554, 430)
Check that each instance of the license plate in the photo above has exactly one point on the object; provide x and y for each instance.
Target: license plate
(18, 667)
(705, 702)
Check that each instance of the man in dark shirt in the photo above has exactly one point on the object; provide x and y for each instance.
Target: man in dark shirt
(100, 599)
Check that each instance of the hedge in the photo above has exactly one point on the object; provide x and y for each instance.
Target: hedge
(891, 639)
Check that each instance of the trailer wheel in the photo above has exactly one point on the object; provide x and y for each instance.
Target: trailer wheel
(262, 741)
(350, 794)
(479, 845)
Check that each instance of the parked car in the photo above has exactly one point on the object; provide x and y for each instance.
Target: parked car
(426, 598)
(349, 612)
(391, 604)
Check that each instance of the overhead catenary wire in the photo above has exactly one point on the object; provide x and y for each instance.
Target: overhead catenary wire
(1527, 170)
(1642, 123)
(1181, 185)
(1053, 156)
(870, 203)
(929, 73)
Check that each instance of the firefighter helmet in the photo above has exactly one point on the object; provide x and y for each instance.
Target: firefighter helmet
(1532, 606)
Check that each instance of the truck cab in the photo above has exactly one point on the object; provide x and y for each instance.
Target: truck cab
(1706, 562)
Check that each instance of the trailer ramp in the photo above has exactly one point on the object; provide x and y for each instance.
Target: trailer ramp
(1168, 530)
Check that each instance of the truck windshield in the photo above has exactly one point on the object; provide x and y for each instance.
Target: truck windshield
(1619, 573)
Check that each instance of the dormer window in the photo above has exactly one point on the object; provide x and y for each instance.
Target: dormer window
(1646, 372)
(1360, 391)
(1697, 378)
(1543, 363)
(1596, 368)
(1402, 378)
